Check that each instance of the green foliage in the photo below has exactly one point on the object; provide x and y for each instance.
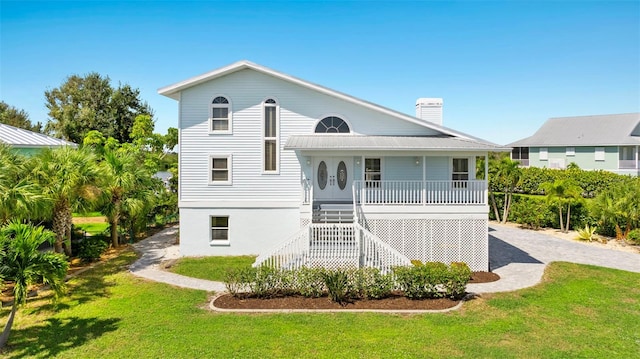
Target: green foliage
(338, 286)
(587, 233)
(309, 282)
(12, 116)
(270, 282)
(531, 212)
(238, 280)
(85, 103)
(617, 208)
(455, 285)
(91, 248)
(634, 236)
(370, 283)
(420, 282)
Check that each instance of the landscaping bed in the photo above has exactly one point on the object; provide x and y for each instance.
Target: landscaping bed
(395, 301)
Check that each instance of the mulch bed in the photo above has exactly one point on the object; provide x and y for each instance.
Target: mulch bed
(394, 302)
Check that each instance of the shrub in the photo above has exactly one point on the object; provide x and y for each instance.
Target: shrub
(634, 236)
(237, 280)
(587, 233)
(270, 282)
(91, 248)
(338, 286)
(370, 283)
(420, 282)
(456, 284)
(309, 282)
(530, 212)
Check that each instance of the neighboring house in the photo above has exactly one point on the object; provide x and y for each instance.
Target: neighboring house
(28, 142)
(604, 142)
(300, 174)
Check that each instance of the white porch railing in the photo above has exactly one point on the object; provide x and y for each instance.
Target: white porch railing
(419, 192)
(333, 246)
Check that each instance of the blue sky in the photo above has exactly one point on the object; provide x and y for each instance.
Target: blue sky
(502, 68)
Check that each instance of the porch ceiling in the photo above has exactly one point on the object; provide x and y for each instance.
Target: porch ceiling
(392, 143)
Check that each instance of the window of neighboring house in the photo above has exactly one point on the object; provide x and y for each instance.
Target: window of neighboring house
(332, 124)
(219, 230)
(460, 172)
(270, 148)
(220, 166)
(372, 172)
(544, 154)
(599, 154)
(627, 153)
(220, 121)
(521, 154)
(571, 151)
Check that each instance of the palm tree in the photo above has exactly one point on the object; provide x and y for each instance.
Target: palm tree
(508, 174)
(121, 178)
(560, 192)
(619, 206)
(19, 197)
(67, 177)
(22, 263)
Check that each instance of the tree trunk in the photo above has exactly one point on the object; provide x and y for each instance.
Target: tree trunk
(7, 328)
(561, 222)
(504, 207)
(59, 226)
(68, 221)
(114, 231)
(495, 206)
(505, 216)
(568, 217)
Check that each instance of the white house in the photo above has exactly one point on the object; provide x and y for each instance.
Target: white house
(300, 174)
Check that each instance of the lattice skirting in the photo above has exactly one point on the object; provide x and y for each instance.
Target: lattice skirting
(440, 240)
(304, 222)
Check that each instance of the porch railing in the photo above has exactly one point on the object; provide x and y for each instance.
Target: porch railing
(419, 192)
(333, 246)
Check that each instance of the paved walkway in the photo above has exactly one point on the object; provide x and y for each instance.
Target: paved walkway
(518, 256)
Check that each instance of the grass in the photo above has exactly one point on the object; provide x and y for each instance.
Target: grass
(88, 214)
(93, 228)
(211, 268)
(577, 312)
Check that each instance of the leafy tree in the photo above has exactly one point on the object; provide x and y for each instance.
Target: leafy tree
(122, 178)
(619, 206)
(20, 198)
(504, 175)
(562, 192)
(171, 139)
(68, 178)
(22, 263)
(12, 116)
(85, 103)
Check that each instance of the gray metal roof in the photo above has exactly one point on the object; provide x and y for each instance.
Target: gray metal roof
(19, 137)
(391, 143)
(603, 130)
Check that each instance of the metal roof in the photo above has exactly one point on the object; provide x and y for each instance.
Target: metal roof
(173, 91)
(389, 143)
(19, 137)
(602, 130)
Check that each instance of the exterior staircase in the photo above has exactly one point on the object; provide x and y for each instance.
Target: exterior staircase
(333, 213)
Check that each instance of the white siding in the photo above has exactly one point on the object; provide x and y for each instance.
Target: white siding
(402, 169)
(438, 168)
(300, 109)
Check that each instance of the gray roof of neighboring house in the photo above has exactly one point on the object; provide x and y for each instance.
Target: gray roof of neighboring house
(19, 137)
(599, 130)
(393, 143)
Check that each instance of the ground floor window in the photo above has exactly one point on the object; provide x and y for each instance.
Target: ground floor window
(219, 229)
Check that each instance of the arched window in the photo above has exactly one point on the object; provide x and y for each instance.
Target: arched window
(332, 124)
(271, 121)
(220, 115)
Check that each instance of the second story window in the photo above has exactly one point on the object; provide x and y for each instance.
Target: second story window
(332, 124)
(270, 147)
(220, 121)
(460, 172)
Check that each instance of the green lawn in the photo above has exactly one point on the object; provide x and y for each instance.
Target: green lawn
(93, 228)
(211, 268)
(579, 311)
(88, 214)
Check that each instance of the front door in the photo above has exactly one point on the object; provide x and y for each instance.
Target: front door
(333, 178)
